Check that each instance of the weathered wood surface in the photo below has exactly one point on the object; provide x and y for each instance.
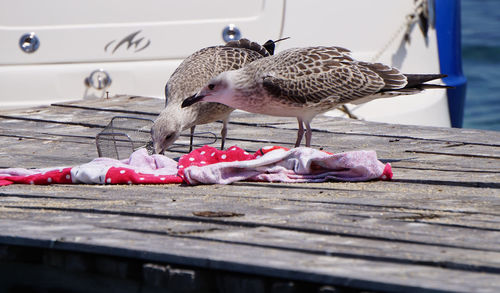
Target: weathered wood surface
(435, 227)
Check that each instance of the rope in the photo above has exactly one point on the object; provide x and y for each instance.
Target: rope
(420, 8)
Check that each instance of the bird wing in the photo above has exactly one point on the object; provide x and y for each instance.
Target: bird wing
(232, 58)
(197, 69)
(318, 74)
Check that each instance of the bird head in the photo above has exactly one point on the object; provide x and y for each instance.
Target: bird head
(215, 91)
(165, 131)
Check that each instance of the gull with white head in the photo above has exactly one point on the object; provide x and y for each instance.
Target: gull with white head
(191, 75)
(304, 82)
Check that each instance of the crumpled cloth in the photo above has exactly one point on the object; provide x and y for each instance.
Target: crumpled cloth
(208, 165)
(278, 164)
(139, 168)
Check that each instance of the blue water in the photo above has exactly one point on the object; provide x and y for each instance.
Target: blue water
(481, 63)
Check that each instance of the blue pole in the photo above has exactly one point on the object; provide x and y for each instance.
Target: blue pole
(450, 56)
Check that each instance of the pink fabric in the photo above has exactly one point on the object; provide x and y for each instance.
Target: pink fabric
(139, 168)
(208, 165)
(277, 164)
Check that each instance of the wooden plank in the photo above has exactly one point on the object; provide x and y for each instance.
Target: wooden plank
(382, 221)
(46, 152)
(463, 150)
(372, 275)
(67, 116)
(344, 142)
(457, 255)
(150, 106)
(435, 227)
(121, 104)
(369, 249)
(357, 127)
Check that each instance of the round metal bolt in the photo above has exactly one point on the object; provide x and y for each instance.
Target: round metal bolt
(231, 33)
(98, 79)
(29, 43)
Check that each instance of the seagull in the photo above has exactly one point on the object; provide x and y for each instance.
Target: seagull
(304, 82)
(191, 75)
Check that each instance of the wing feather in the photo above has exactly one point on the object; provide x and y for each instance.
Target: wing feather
(318, 74)
(205, 64)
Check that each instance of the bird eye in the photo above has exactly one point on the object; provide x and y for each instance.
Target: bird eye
(211, 86)
(168, 137)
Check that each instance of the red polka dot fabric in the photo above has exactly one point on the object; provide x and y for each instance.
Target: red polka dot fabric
(60, 175)
(208, 155)
(210, 165)
(130, 176)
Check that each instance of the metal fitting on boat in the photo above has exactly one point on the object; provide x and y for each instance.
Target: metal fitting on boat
(29, 42)
(98, 79)
(231, 33)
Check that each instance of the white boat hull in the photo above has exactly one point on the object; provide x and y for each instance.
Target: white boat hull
(93, 36)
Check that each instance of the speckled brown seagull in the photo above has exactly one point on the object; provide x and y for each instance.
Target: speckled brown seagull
(191, 75)
(304, 82)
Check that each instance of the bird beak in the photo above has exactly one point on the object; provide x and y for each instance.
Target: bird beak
(191, 100)
(159, 149)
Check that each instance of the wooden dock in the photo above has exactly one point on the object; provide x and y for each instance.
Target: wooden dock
(434, 228)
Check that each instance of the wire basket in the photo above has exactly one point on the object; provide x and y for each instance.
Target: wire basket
(125, 134)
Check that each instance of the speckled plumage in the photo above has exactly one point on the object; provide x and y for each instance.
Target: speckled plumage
(191, 75)
(304, 82)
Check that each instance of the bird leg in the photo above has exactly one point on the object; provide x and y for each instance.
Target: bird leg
(300, 132)
(223, 133)
(308, 133)
(347, 111)
(191, 138)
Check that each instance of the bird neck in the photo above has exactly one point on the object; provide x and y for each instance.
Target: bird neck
(177, 117)
(188, 116)
(239, 81)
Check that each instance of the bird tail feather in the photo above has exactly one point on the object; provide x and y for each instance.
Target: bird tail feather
(415, 80)
(247, 44)
(265, 50)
